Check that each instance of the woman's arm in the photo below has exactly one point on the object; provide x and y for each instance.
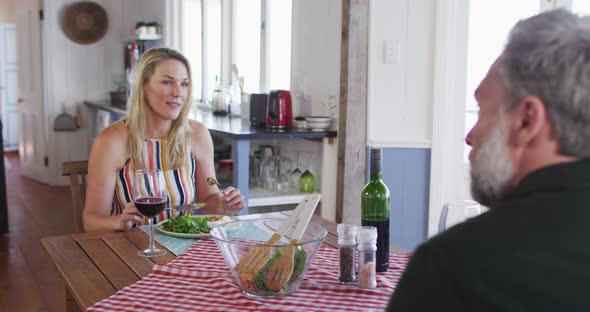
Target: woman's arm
(107, 157)
(229, 201)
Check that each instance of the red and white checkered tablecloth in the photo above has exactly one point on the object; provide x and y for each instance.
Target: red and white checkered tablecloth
(199, 280)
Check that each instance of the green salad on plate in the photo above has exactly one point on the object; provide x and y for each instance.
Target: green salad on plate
(191, 224)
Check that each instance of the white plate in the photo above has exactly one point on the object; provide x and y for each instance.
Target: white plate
(187, 235)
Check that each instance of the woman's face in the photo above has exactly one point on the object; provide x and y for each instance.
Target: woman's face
(166, 90)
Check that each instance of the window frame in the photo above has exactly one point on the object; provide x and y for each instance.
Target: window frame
(228, 44)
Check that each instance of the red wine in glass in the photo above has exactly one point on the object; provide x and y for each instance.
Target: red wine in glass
(150, 206)
(149, 195)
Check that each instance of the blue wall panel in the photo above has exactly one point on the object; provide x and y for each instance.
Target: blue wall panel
(406, 171)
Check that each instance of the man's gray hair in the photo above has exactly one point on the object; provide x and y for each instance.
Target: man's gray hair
(548, 56)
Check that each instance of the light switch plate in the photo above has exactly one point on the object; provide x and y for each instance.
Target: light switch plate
(391, 52)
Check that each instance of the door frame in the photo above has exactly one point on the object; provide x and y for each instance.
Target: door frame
(4, 109)
(32, 89)
(448, 111)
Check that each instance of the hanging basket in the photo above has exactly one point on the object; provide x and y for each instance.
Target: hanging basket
(85, 22)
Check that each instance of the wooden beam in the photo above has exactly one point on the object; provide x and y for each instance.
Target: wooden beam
(352, 127)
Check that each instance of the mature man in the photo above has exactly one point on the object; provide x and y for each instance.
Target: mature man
(529, 164)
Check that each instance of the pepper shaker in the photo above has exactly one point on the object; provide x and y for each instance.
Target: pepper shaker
(346, 249)
(367, 249)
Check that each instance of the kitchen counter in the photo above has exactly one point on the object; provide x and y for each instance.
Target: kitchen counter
(240, 132)
(105, 107)
(233, 127)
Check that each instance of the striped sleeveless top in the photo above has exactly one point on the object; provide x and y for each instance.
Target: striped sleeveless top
(180, 181)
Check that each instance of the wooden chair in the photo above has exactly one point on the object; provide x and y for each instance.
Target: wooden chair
(75, 169)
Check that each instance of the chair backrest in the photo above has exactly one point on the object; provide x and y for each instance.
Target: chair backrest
(77, 171)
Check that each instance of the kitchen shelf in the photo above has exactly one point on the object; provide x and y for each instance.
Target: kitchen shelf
(261, 197)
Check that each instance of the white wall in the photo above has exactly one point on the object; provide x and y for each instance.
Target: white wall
(400, 93)
(74, 73)
(400, 108)
(315, 78)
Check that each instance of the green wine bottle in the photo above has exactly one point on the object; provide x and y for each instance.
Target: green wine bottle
(307, 182)
(375, 202)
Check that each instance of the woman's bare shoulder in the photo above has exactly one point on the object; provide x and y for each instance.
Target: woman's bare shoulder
(113, 138)
(197, 126)
(115, 131)
(199, 131)
(200, 137)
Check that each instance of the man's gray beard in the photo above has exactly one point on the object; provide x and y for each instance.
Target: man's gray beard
(491, 168)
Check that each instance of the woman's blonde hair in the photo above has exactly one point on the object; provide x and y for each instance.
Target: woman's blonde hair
(177, 147)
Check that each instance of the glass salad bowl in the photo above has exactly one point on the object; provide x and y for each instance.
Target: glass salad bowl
(238, 238)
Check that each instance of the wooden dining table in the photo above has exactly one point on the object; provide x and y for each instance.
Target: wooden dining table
(96, 265)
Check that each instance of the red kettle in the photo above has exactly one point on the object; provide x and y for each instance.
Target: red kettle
(279, 109)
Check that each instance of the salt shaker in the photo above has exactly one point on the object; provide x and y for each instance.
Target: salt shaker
(367, 248)
(346, 249)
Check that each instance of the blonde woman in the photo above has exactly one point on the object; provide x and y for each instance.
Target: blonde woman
(156, 134)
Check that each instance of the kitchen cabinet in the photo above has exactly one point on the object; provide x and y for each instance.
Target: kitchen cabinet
(240, 133)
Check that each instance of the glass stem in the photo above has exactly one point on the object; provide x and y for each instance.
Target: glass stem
(151, 225)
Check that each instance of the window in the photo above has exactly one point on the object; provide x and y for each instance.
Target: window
(212, 39)
(259, 43)
(248, 43)
(482, 45)
(489, 25)
(279, 64)
(581, 7)
(192, 42)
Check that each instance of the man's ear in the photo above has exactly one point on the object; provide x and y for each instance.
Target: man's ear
(528, 119)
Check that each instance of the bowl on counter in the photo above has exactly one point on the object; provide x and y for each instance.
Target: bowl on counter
(299, 122)
(235, 239)
(318, 123)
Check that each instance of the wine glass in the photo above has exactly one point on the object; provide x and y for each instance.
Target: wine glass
(150, 195)
(268, 175)
(295, 175)
(457, 211)
(283, 171)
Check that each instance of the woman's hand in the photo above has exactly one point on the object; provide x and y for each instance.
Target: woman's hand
(234, 200)
(129, 217)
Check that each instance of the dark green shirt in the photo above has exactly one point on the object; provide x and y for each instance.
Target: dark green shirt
(531, 252)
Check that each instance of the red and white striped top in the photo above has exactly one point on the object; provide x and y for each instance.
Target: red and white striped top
(180, 181)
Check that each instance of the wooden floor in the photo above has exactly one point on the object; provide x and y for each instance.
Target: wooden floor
(29, 281)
